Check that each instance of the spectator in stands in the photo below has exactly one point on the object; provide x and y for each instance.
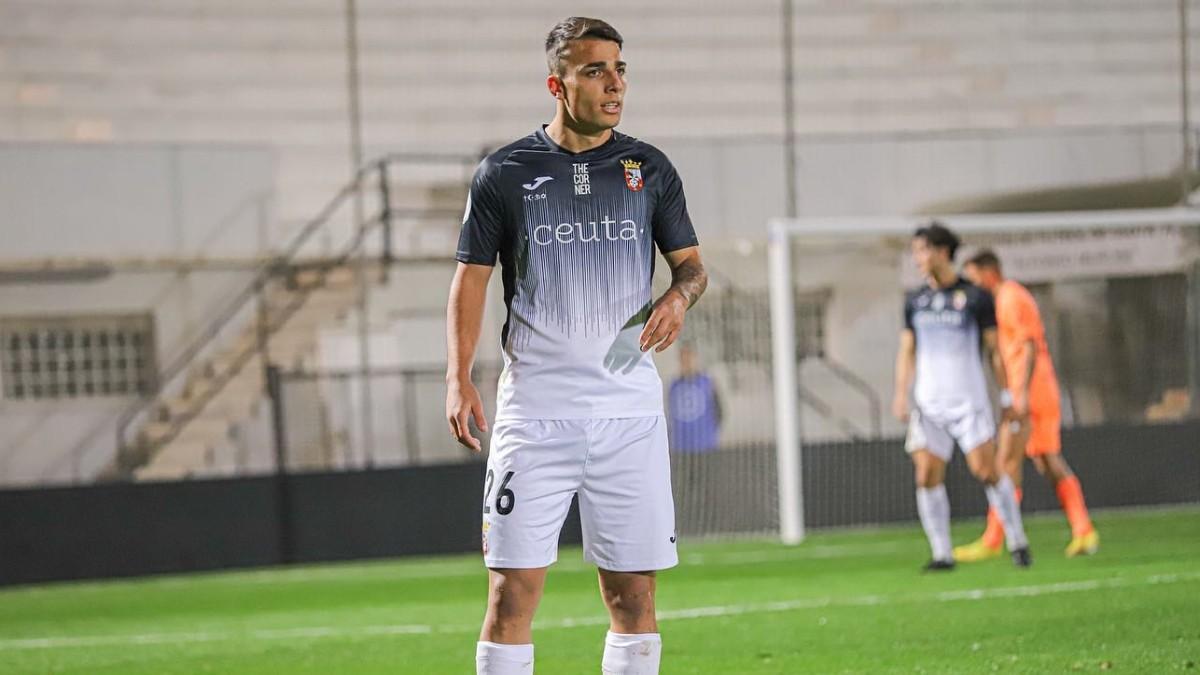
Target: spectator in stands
(693, 407)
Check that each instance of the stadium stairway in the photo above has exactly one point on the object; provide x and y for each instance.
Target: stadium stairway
(195, 433)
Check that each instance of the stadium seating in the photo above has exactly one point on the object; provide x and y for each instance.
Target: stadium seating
(262, 72)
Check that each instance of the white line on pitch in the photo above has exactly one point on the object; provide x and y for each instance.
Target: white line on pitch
(595, 620)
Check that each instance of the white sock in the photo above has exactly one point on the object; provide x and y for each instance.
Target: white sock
(493, 658)
(631, 654)
(1003, 497)
(933, 505)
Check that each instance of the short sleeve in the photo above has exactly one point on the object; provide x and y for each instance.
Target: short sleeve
(671, 224)
(985, 310)
(483, 221)
(908, 311)
(1008, 313)
(1023, 316)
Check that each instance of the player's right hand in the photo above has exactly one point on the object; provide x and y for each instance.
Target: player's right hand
(462, 403)
(900, 408)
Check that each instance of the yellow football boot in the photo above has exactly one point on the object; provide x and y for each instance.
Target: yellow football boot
(976, 551)
(1087, 544)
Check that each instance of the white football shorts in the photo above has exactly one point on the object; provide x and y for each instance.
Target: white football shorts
(939, 433)
(620, 470)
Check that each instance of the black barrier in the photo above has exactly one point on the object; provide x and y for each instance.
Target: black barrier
(131, 529)
(1118, 465)
(150, 528)
(390, 512)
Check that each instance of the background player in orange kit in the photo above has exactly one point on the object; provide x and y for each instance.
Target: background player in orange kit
(1035, 402)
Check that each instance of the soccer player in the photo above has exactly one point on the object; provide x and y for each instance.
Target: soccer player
(1034, 431)
(574, 212)
(945, 322)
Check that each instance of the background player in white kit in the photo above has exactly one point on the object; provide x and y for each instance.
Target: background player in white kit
(574, 211)
(946, 323)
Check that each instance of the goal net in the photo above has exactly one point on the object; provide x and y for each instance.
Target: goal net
(801, 366)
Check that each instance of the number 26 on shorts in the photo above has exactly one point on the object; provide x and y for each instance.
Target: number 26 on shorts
(505, 498)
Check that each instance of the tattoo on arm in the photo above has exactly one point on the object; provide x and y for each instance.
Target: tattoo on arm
(689, 280)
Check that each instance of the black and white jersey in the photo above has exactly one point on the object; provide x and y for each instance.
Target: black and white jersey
(948, 324)
(575, 234)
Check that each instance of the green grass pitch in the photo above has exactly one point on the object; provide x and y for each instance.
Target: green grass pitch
(842, 602)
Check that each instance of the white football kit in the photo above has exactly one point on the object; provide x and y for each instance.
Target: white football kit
(579, 405)
(950, 393)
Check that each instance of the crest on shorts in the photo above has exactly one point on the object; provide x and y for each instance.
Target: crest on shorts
(633, 175)
(960, 300)
(486, 526)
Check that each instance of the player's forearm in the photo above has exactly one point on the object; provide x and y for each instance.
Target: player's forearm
(1029, 357)
(998, 371)
(905, 367)
(992, 351)
(464, 323)
(689, 279)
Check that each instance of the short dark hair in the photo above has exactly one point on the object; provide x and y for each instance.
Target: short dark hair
(986, 259)
(938, 235)
(576, 28)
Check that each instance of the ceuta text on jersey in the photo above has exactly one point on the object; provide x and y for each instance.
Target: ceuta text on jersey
(591, 231)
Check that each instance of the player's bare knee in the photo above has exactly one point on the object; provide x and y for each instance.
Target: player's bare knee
(983, 470)
(630, 600)
(985, 474)
(507, 620)
(1055, 468)
(512, 598)
(928, 474)
(1039, 464)
(632, 611)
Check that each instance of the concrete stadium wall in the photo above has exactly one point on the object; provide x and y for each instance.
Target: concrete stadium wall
(57, 441)
(459, 74)
(129, 205)
(72, 200)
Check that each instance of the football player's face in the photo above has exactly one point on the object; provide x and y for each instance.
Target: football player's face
(928, 258)
(983, 277)
(921, 256)
(592, 84)
(972, 274)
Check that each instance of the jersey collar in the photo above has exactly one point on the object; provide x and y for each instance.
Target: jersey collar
(545, 138)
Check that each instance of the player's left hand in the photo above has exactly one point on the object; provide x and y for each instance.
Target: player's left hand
(665, 322)
(1020, 407)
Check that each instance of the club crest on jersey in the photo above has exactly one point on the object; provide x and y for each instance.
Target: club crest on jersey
(633, 175)
(960, 299)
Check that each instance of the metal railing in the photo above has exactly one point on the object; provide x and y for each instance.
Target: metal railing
(376, 179)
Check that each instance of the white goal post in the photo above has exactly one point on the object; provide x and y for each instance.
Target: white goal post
(785, 235)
